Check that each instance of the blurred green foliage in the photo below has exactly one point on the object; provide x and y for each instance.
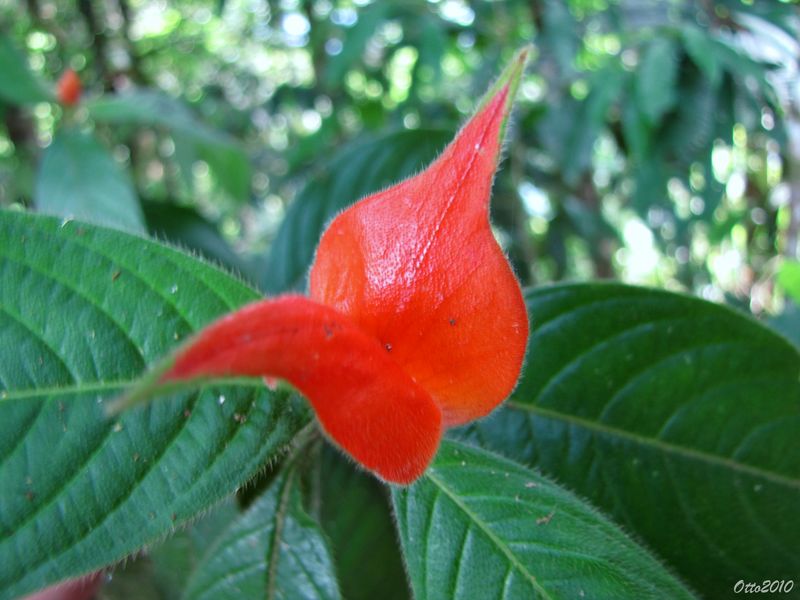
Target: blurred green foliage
(654, 141)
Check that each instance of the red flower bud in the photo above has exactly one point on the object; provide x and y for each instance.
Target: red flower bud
(415, 319)
(69, 88)
(418, 267)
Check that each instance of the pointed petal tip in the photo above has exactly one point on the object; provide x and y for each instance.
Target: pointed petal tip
(389, 263)
(511, 75)
(524, 53)
(505, 87)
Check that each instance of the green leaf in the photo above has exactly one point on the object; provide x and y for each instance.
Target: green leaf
(560, 40)
(635, 127)
(677, 416)
(19, 85)
(185, 227)
(752, 16)
(655, 79)
(688, 134)
(650, 178)
(570, 128)
(354, 513)
(161, 573)
(701, 49)
(746, 70)
(789, 278)
(430, 40)
(142, 107)
(355, 42)
(228, 162)
(224, 155)
(479, 526)
(358, 170)
(788, 322)
(587, 124)
(176, 558)
(79, 179)
(83, 311)
(135, 580)
(274, 550)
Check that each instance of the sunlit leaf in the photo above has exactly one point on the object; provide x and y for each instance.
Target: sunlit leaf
(79, 179)
(789, 278)
(145, 107)
(18, 84)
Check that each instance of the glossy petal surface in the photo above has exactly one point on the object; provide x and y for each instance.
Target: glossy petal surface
(364, 400)
(418, 267)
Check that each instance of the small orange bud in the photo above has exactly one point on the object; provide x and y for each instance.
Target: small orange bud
(69, 88)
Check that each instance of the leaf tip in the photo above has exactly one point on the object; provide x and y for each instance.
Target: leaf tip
(124, 401)
(151, 385)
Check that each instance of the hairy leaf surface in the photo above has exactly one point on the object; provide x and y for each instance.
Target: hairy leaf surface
(83, 311)
(678, 416)
(480, 526)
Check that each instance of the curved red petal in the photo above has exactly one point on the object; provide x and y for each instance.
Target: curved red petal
(366, 403)
(418, 267)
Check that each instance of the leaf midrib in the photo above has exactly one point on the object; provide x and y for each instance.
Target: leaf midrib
(121, 384)
(121, 501)
(666, 447)
(281, 514)
(486, 530)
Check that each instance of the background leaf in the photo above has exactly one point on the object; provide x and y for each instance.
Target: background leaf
(700, 47)
(18, 84)
(788, 322)
(135, 580)
(789, 279)
(360, 169)
(187, 228)
(479, 526)
(570, 135)
(355, 41)
(160, 573)
(79, 179)
(665, 409)
(226, 158)
(655, 79)
(178, 556)
(354, 512)
(79, 490)
(274, 550)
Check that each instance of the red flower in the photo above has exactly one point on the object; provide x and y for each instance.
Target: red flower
(414, 319)
(69, 88)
